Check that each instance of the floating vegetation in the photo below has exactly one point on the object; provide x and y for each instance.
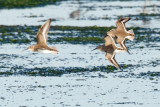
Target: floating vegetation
(19, 70)
(70, 34)
(25, 3)
(151, 14)
(80, 39)
(49, 71)
(150, 74)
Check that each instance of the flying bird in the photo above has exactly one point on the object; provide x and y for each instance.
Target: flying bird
(110, 49)
(121, 33)
(41, 45)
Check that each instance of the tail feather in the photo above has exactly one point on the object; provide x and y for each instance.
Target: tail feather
(54, 48)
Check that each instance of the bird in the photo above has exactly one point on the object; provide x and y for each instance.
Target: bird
(121, 33)
(110, 49)
(75, 14)
(41, 45)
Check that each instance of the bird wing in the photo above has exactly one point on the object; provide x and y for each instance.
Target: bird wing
(123, 45)
(109, 41)
(120, 23)
(111, 33)
(125, 19)
(111, 58)
(42, 33)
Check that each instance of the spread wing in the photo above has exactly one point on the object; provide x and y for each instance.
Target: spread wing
(120, 23)
(42, 33)
(109, 41)
(111, 58)
(125, 19)
(123, 45)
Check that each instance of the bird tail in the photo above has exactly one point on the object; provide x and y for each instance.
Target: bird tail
(55, 49)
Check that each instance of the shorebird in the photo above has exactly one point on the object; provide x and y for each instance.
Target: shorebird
(75, 14)
(41, 45)
(121, 33)
(110, 49)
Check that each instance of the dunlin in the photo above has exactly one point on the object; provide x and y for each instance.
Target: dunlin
(121, 33)
(110, 49)
(41, 45)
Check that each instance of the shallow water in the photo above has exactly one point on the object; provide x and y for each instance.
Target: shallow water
(99, 13)
(78, 76)
(75, 90)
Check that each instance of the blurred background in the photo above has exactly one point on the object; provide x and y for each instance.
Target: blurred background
(78, 76)
(144, 13)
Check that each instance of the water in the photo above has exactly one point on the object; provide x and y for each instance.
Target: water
(93, 13)
(82, 91)
(78, 76)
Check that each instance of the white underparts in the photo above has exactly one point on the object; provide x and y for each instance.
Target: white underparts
(46, 51)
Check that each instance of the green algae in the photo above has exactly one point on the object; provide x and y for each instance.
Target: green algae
(25, 3)
(70, 34)
(19, 70)
(150, 74)
(81, 39)
(151, 14)
(30, 3)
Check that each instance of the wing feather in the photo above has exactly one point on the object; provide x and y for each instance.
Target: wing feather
(111, 58)
(42, 33)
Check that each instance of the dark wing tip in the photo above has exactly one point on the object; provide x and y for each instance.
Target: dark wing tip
(50, 19)
(118, 67)
(106, 34)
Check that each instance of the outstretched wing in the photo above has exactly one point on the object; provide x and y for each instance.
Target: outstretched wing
(111, 58)
(111, 33)
(125, 19)
(124, 46)
(42, 33)
(109, 40)
(120, 23)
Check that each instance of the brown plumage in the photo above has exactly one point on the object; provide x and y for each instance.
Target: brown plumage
(121, 33)
(41, 45)
(110, 49)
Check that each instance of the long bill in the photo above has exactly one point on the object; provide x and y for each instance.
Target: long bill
(94, 49)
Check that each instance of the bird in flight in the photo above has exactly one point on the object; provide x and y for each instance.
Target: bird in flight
(41, 45)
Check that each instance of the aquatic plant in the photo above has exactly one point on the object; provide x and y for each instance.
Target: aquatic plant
(20, 70)
(25, 3)
(70, 34)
